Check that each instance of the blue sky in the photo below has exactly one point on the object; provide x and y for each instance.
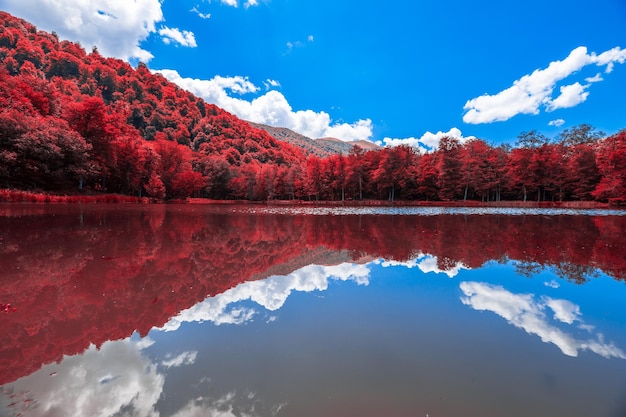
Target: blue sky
(403, 72)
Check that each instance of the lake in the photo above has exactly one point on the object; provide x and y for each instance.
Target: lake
(254, 310)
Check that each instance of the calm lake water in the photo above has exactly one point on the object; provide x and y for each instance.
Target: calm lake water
(189, 310)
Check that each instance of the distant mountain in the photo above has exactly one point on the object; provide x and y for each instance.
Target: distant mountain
(322, 147)
(72, 120)
(344, 147)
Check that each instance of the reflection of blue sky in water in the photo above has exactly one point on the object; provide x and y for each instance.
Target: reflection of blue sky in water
(122, 379)
(270, 293)
(97, 383)
(116, 380)
(428, 263)
(532, 314)
(119, 379)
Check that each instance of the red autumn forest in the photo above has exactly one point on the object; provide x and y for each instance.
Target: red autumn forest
(128, 268)
(73, 122)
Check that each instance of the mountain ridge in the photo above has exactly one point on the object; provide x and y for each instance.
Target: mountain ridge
(322, 147)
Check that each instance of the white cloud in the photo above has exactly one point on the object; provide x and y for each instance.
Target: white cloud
(299, 44)
(200, 14)
(270, 293)
(571, 95)
(116, 27)
(524, 312)
(246, 4)
(596, 78)
(552, 284)
(610, 57)
(534, 91)
(271, 108)
(361, 129)
(229, 405)
(115, 379)
(185, 358)
(184, 38)
(564, 310)
(269, 84)
(428, 141)
(426, 264)
(557, 122)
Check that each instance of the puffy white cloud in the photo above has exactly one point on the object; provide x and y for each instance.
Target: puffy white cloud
(527, 313)
(184, 38)
(557, 122)
(361, 129)
(533, 91)
(609, 58)
(564, 310)
(426, 264)
(117, 379)
(116, 27)
(571, 95)
(270, 293)
(428, 141)
(113, 380)
(271, 108)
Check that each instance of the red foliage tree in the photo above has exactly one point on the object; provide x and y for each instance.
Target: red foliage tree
(611, 160)
(449, 164)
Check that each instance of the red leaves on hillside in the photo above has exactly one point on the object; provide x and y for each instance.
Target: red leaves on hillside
(128, 268)
(117, 118)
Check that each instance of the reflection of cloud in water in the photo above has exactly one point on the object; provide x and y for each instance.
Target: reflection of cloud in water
(227, 406)
(114, 380)
(529, 314)
(271, 293)
(552, 284)
(426, 264)
(185, 358)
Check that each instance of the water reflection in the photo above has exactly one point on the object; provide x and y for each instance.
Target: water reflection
(530, 313)
(270, 293)
(100, 382)
(118, 379)
(112, 304)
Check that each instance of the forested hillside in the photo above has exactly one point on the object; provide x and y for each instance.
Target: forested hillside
(76, 123)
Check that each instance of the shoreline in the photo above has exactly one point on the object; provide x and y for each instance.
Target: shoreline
(17, 196)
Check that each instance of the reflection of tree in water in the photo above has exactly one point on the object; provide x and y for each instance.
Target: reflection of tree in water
(98, 273)
(527, 269)
(575, 273)
(569, 271)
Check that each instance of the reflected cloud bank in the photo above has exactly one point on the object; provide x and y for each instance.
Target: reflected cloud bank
(118, 379)
(527, 312)
(270, 293)
(429, 263)
(113, 380)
